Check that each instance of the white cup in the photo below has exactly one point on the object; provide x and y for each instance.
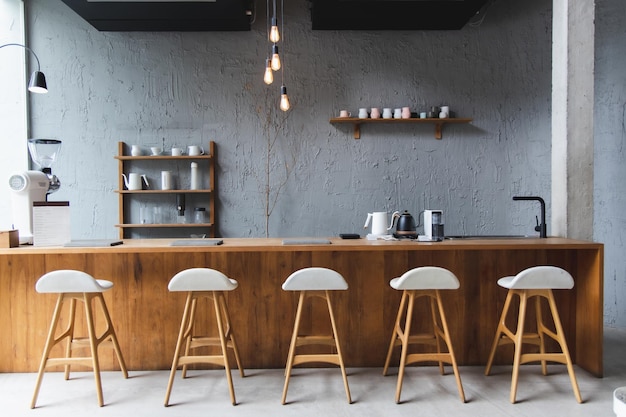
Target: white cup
(166, 180)
(443, 115)
(446, 109)
(195, 150)
(135, 150)
(156, 150)
(387, 113)
(363, 113)
(375, 114)
(397, 113)
(177, 151)
(345, 113)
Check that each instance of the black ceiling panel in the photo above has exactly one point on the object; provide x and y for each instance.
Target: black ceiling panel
(219, 15)
(393, 14)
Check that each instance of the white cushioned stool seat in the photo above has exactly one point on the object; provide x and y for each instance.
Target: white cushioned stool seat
(311, 279)
(537, 282)
(201, 279)
(426, 282)
(619, 402)
(68, 280)
(72, 286)
(211, 284)
(315, 282)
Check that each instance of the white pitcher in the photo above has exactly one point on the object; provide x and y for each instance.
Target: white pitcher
(133, 182)
(379, 222)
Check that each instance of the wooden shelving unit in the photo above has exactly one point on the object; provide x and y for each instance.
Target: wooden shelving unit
(357, 122)
(162, 162)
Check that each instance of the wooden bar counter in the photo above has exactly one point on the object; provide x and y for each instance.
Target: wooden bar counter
(147, 316)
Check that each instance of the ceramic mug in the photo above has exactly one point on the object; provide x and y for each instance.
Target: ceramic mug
(195, 150)
(387, 113)
(177, 151)
(375, 114)
(363, 113)
(406, 113)
(156, 150)
(397, 113)
(135, 150)
(345, 113)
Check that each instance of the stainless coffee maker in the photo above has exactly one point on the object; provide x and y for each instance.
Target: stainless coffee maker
(433, 224)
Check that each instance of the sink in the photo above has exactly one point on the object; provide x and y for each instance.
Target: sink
(490, 237)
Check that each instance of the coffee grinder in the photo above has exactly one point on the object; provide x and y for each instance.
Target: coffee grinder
(30, 186)
(433, 225)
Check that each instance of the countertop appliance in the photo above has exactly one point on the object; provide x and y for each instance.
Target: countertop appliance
(433, 224)
(30, 186)
(405, 225)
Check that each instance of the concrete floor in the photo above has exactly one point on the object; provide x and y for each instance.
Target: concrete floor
(319, 392)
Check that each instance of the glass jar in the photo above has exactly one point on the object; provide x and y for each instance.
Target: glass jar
(199, 215)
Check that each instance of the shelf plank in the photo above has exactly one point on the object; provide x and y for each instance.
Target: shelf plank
(161, 225)
(164, 191)
(438, 123)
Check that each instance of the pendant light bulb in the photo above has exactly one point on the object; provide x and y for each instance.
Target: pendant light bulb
(275, 58)
(269, 76)
(274, 35)
(284, 99)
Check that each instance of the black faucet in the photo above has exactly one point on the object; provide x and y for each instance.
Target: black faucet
(541, 227)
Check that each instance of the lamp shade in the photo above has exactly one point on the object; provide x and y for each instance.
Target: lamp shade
(37, 83)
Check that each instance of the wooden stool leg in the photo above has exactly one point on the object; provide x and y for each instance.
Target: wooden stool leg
(189, 331)
(179, 344)
(448, 341)
(220, 328)
(292, 346)
(500, 330)
(110, 333)
(405, 344)
(434, 299)
(563, 343)
(93, 345)
(338, 345)
(230, 334)
(70, 336)
(50, 342)
(518, 340)
(396, 331)
(541, 333)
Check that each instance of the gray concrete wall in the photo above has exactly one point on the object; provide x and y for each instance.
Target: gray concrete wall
(610, 144)
(188, 88)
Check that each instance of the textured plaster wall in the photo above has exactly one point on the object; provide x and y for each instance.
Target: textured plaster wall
(194, 87)
(185, 88)
(610, 144)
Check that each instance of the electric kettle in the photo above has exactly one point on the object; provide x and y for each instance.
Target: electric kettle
(405, 226)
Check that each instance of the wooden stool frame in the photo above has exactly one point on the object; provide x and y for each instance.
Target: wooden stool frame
(93, 342)
(402, 337)
(225, 339)
(297, 340)
(506, 336)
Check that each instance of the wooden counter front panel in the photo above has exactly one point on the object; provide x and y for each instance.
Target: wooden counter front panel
(147, 316)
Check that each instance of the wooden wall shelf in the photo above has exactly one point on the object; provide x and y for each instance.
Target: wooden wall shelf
(437, 122)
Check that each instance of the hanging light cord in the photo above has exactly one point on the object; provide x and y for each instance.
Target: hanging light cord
(28, 49)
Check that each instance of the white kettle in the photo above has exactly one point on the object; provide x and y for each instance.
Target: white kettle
(379, 223)
(133, 182)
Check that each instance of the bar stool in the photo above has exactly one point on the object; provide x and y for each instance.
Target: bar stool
(423, 282)
(75, 286)
(204, 283)
(538, 281)
(314, 282)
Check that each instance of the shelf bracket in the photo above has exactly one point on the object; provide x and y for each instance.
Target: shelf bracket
(357, 131)
(438, 128)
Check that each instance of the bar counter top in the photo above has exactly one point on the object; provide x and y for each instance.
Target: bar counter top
(146, 315)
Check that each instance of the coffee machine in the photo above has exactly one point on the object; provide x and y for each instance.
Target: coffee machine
(30, 186)
(433, 225)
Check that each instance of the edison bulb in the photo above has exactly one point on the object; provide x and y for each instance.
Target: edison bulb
(274, 35)
(269, 76)
(275, 58)
(284, 99)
